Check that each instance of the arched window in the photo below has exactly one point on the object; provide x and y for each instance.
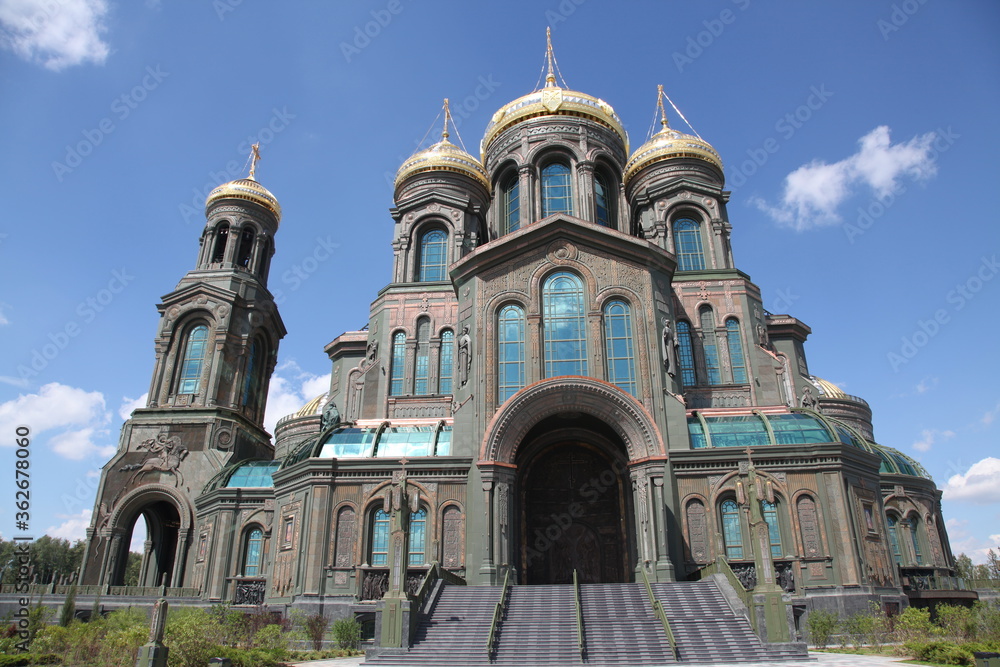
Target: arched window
(712, 371)
(446, 362)
(618, 344)
(510, 205)
(219, 249)
(264, 258)
(433, 255)
(421, 373)
(195, 351)
(770, 512)
(914, 524)
(510, 352)
(603, 205)
(890, 519)
(687, 245)
(557, 193)
(379, 539)
(253, 553)
(251, 383)
(398, 361)
(418, 538)
(732, 535)
(564, 327)
(246, 247)
(736, 359)
(686, 353)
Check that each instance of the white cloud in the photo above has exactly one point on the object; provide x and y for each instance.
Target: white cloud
(990, 415)
(980, 485)
(3, 318)
(55, 33)
(73, 528)
(964, 542)
(78, 445)
(929, 436)
(290, 389)
(814, 191)
(54, 406)
(926, 384)
(130, 404)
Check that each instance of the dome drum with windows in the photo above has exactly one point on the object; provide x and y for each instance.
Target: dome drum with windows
(246, 189)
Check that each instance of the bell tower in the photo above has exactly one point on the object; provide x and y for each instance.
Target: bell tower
(216, 348)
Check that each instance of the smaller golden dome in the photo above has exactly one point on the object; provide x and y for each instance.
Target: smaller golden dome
(313, 407)
(247, 189)
(668, 144)
(443, 156)
(827, 389)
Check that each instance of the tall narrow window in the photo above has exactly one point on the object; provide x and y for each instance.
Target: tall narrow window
(510, 202)
(246, 247)
(686, 353)
(732, 535)
(618, 345)
(557, 193)
(251, 383)
(418, 538)
(264, 258)
(252, 555)
(446, 362)
(194, 360)
(564, 326)
(510, 352)
(736, 358)
(914, 524)
(894, 539)
(712, 372)
(219, 249)
(602, 200)
(398, 361)
(687, 245)
(433, 255)
(421, 373)
(774, 533)
(380, 539)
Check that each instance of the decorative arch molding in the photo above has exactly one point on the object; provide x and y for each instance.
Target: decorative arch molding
(725, 485)
(619, 410)
(131, 505)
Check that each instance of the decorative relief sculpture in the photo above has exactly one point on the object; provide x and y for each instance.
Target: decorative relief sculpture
(165, 455)
(330, 418)
(668, 349)
(808, 400)
(464, 355)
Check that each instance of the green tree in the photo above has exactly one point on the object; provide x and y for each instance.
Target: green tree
(132, 569)
(963, 566)
(992, 564)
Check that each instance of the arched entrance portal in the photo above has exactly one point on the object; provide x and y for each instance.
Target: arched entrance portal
(574, 512)
(162, 527)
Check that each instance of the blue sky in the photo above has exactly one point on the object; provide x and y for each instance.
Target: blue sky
(859, 137)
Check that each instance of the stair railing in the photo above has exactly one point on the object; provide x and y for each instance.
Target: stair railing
(660, 613)
(498, 612)
(579, 616)
(721, 566)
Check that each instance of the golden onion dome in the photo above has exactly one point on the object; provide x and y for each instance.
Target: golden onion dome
(827, 389)
(553, 101)
(313, 407)
(668, 144)
(247, 189)
(443, 156)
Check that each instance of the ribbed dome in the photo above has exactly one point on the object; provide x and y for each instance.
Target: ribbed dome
(246, 189)
(553, 101)
(827, 389)
(313, 407)
(443, 156)
(668, 144)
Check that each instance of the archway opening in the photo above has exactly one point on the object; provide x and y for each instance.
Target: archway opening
(163, 523)
(574, 503)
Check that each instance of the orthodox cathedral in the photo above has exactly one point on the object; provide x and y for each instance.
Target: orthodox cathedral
(565, 373)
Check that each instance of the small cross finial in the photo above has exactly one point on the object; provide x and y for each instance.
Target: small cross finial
(748, 452)
(659, 105)
(447, 117)
(254, 159)
(550, 77)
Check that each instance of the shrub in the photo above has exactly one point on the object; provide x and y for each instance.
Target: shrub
(822, 624)
(68, 607)
(957, 622)
(315, 627)
(347, 632)
(913, 625)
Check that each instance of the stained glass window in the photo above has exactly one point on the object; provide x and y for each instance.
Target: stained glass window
(770, 512)
(618, 344)
(398, 361)
(194, 360)
(687, 245)
(557, 193)
(380, 538)
(510, 352)
(736, 359)
(510, 202)
(712, 371)
(602, 200)
(731, 533)
(686, 353)
(422, 370)
(446, 362)
(564, 325)
(433, 255)
(251, 561)
(418, 537)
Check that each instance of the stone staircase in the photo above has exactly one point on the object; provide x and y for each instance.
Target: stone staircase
(540, 627)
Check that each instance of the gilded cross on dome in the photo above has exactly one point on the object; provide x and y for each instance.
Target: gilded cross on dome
(254, 159)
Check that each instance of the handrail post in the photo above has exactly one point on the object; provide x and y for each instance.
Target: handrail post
(579, 615)
(660, 613)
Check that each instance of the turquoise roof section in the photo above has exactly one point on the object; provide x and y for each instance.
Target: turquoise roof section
(245, 474)
(385, 441)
